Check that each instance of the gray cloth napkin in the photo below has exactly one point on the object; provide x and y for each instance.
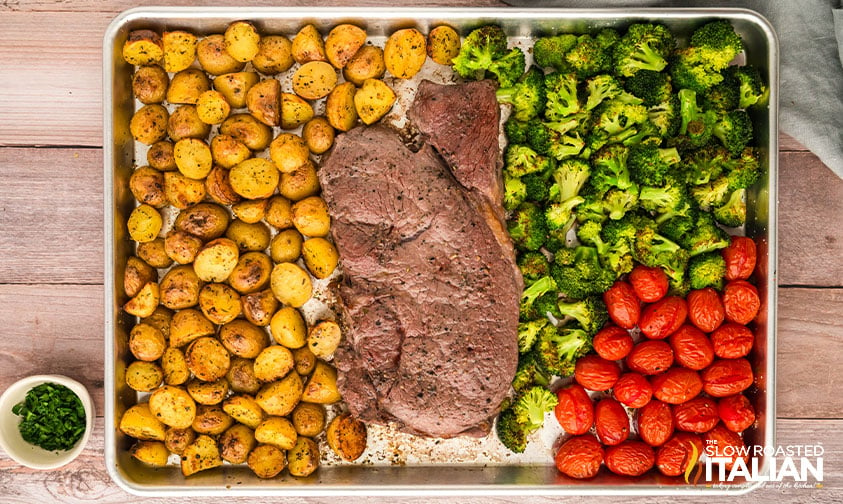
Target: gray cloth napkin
(810, 34)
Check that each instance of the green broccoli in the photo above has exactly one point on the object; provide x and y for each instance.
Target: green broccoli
(733, 212)
(588, 57)
(667, 201)
(479, 50)
(531, 406)
(599, 88)
(712, 194)
(691, 69)
(651, 86)
(528, 332)
(645, 46)
(515, 131)
(533, 265)
(707, 270)
(734, 130)
(751, 88)
(676, 227)
(590, 312)
(705, 236)
(703, 165)
(540, 287)
(579, 273)
(514, 192)
(745, 170)
(696, 124)
(529, 373)
(651, 165)
(591, 208)
(509, 68)
(719, 40)
(561, 92)
(511, 434)
(526, 96)
(569, 176)
(724, 96)
(546, 136)
(609, 168)
(607, 37)
(551, 51)
(654, 250)
(618, 120)
(520, 160)
(617, 202)
(537, 186)
(625, 228)
(560, 217)
(527, 227)
(713, 46)
(558, 349)
(666, 117)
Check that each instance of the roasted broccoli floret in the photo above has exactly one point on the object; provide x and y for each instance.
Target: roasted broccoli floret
(617, 120)
(529, 373)
(705, 236)
(666, 117)
(734, 130)
(528, 332)
(696, 124)
(703, 165)
(654, 250)
(588, 57)
(645, 46)
(509, 68)
(607, 37)
(511, 434)
(527, 227)
(690, 69)
(561, 92)
(579, 273)
(724, 96)
(537, 186)
(551, 51)
(599, 88)
(520, 160)
(533, 265)
(677, 227)
(558, 349)
(733, 212)
(591, 208)
(540, 287)
(515, 131)
(531, 406)
(624, 229)
(609, 168)
(551, 137)
(651, 165)
(719, 40)
(707, 270)
(745, 170)
(651, 86)
(751, 88)
(560, 216)
(713, 46)
(479, 50)
(569, 176)
(617, 202)
(526, 96)
(590, 312)
(514, 192)
(712, 194)
(667, 201)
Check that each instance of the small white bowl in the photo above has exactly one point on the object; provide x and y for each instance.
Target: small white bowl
(28, 454)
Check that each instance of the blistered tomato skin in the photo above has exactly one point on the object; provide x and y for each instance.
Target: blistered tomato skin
(649, 284)
(612, 342)
(596, 373)
(623, 306)
(677, 385)
(630, 458)
(650, 357)
(580, 457)
(691, 348)
(736, 412)
(574, 411)
(740, 256)
(672, 457)
(660, 319)
(741, 301)
(611, 421)
(655, 423)
(633, 390)
(732, 341)
(721, 442)
(697, 415)
(727, 377)
(705, 310)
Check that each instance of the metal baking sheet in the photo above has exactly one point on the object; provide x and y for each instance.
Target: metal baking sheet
(397, 463)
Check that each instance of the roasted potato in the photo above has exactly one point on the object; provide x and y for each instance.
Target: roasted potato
(308, 45)
(137, 274)
(216, 260)
(160, 319)
(288, 151)
(305, 361)
(254, 178)
(212, 107)
(303, 457)
(279, 212)
(193, 158)
(174, 366)
(213, 57)
(181, 247)
(146, 342)
(242, 41)
(227, 151)
(404, 53)
(443, 44)
(342, 43)
(184, 122)
(149, 124)
(299, 184)
(149, 84)
(154, 253)
(160, 156)
(322, 386)
(219, 303)
(140, 423)
(318, 135)
(147, 186)
(173, 406)
(143, 47)
(320, 257)
(244, 409)
(252, 272)
(208, 393)
(314, 80)
(295, 111)
(177, 440)
(202, 454)
(180, 288)
(373, 100)
(236, 443)
(274, 55)
(181, 191)
(259, 307)
(211, 420)
(144, 376)
(288, 328)
(252, 237)
(264, 101)
(267, 461)
(367, 63)
(339, 107)
(290, 284)
(218, 186)
(324, 338)
(277, 431)
(204, 220)
(186, 86)
(144, 223)
(308, 419)
(188, 325)
(280, 397)
(179, 50)
(207, 359)
(250, 211)
(234, 87)
(310, 216)
(286, 246)
(145, 301)
(347, 437)
(273, 363)
(243, 339)
(241, 376)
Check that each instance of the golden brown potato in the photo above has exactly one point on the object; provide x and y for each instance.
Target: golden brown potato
(139, 423)
(254, 178)
(311, 218)
(291, 285)
(151, 453)
(218, 186)
(267, 461)
(243, 339)
(259, 307)
(279, 212)
(288, 151)
(180, 288)
(241, 376)
(137, 274)
(308, 46)
(181, 247)
(295, 111)
(320, 257)
(213, 57)
(179, 50)
(212, 107)
(373, 100)
(367, 63)
(216, 260)
(228, 151)
(234, 87)
(322, 386)
(244, 409)
(154, 253)
(252, 237)
(219, 303)
(339, 107)
(177, 440)
(149, 124)
(202, 454)
(186, 86)
(160, 319)
(236, 443)
(252, 272)
(273, 363)
(144, 376)
(193, 158)
(146, 343)
(324, 338)
(184, 122)
(288, 328)
(207, 359)
(211, 420)
(143, 47)
(250, 211)
(286, 246)
(277, 431)
(144, 223)
(208, 393)
(147, 186)
(174, 366)
(347, 437)
(204, 220)
(404, 53)
(299, 184)
(188, 325)
(145, 302)
(252, 133)
(308, 419)
(149, 84)
(160, 156)
(305, 360)
(182, 192)
(264, 101)
(280, 397)
(443, 44)
(318, 135)
(274, 55)
(314, 80)
(342, 43)
(303, 458)
(173, 406)
(242, 41)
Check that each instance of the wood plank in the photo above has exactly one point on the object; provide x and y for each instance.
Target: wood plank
(788, 143)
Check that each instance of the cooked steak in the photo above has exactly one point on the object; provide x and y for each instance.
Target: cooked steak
(430, 289)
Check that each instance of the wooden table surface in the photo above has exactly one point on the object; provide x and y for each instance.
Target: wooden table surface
(51, 240)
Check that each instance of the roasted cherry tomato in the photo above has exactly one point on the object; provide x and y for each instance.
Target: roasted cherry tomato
(705, 310)
(655, 423)
(677, 385)
(697, 415)
(580, 457)
(649, 284)
(596, 373)
(612, 342)
(673, 457)
(623, 306)
(574, 411)
(740, 258)
(736, 412)
(691, 348)
(726, 377)
(630, 458)
(650, 357)
(732, 340)
(660, 319)
(611, 422)
(741, 301)
(721, 442)
(633, 390)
